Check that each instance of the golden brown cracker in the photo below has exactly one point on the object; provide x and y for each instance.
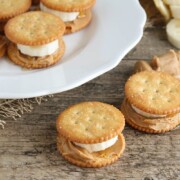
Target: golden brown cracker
(90, 122)
(34, 28)
(154, 92)
(11, 8)
(69, 5)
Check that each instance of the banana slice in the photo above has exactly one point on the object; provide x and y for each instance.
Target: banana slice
(161, 6)
(166, 2)
(172, 2)
(173, 32)
(175, 11)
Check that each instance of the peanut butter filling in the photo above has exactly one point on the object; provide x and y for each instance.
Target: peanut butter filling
(82, 20)
(3, 45)
(69, 149)
(151, 123)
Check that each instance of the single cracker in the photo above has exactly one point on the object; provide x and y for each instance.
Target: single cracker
(148, 125)
(3, 45)
(154, 92)
(34, 28)
(34, 62)
(90, 122)
(80, 157)
(69, 5)
(11, 8)
(79, 23)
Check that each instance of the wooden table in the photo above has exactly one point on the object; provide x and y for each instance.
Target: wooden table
(28, 146)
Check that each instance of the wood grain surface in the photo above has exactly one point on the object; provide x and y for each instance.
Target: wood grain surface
(28, 146)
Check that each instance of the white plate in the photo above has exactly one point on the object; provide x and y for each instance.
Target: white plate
(117, 26)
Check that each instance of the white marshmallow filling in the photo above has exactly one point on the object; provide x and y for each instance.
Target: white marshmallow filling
(65, 16)
(39, 51)
(98, 146)
(148, 115)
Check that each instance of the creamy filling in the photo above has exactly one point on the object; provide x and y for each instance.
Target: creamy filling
(145, 114)
(65, 16)
(98, 146)
(175, 10)
(39, 51)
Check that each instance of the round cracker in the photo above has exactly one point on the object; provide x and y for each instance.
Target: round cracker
(154, 92)
(104, 157)
(11, 8)
(69, 5)
(90, 122)
(34, 28)
(34, 62)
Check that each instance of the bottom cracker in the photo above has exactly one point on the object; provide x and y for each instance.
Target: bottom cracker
(140, 128)
(34, 62)
(104, 157)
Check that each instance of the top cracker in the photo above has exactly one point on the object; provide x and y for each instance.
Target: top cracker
(11, 8)
(69, 5)
(154, 92)
(34, 28)
(90, 122)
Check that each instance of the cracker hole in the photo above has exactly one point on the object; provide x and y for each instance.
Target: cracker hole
(76, 122)
(86, 129)
(169, 100)
(93, 112)
(77, 113)
(156, 90)
(88, 119)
